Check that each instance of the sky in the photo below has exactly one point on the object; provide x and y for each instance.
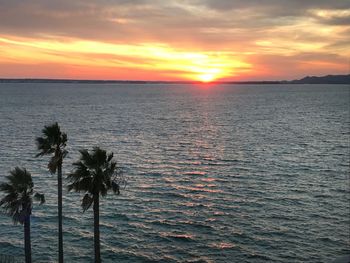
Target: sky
(201, 40)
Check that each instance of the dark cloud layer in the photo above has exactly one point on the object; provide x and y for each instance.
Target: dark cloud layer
(276, 7)
(157, 20)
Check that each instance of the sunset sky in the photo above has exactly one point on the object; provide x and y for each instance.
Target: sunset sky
(174, 40)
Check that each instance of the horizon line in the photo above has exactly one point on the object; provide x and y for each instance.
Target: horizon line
(107, 81)
(129, 80)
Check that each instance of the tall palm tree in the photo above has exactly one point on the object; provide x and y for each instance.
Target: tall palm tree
(18, 202)
(95, 174)
(53, 143)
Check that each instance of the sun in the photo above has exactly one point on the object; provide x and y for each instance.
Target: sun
(209, 77)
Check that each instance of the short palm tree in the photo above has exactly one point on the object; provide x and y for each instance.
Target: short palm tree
(95, 174)
(18, 202)
(53, 143)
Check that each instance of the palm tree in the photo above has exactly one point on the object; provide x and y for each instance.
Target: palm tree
(18, 202)
(53, 143)
(95, 174)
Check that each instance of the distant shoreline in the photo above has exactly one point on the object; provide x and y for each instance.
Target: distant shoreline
(329, 79)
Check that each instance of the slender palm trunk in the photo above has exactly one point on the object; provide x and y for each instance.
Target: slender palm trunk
(60, 230)
(97, 228)
(27, 245)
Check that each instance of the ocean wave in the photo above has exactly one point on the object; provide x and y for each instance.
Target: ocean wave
(178, 237)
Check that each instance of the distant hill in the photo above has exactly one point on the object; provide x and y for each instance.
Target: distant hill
(329, 79)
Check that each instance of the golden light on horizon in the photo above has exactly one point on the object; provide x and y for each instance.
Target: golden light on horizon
(206, 77)
(165, 61)
(209, 74)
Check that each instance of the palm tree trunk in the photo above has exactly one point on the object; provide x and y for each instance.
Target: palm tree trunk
(97, 228)
(27, 245)
(60, 230)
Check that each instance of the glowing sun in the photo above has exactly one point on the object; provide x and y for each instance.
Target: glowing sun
(207, 77)
(208, 74)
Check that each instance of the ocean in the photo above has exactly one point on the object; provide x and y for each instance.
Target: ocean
(215, 173)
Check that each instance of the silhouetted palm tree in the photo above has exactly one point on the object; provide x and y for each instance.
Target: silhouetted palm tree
(95, 174)
(18, 202)
(53, 143)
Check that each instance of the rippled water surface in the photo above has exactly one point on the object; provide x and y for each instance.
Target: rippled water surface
(215, 173)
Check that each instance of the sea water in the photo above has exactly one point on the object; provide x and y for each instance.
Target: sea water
(215, 173)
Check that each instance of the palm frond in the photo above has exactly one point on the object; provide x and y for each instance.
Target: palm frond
(95, 173)
(11, 205)
(100, 156)
(52, 132)
(53, 163)
(86, 202)
(17, 202)
(20, 179)
(115, 188)
(109, 157)
(80, 172)
(9, 200)
(52, 141)
(16, 217)
(63, 139)
(103, 189)
(40, 198)
(6, 188)
(82, 185)
(86, 158)
(44, 146)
